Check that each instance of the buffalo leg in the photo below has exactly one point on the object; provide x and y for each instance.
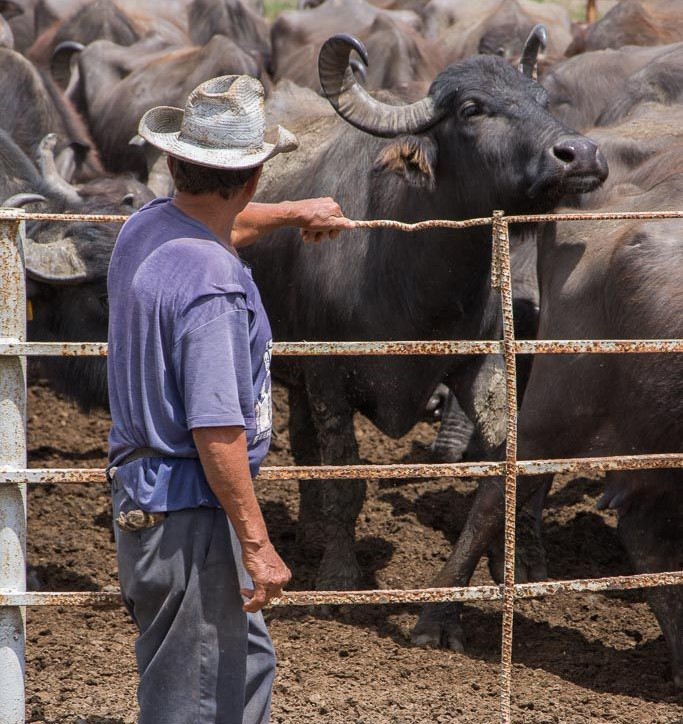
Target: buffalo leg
(439, 624)
(481, 392)
(651, 530)
(530, 561)
(341, 500)
(303, 442)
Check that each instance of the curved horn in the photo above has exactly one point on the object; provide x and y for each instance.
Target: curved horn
(356, 106)
(19, 200)
(535, 43)
(56, 263)
(60, 62)
(48, 169)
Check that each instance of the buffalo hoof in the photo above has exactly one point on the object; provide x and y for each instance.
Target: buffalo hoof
(678, 679)
(439, 630)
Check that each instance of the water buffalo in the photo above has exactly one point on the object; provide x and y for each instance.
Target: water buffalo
(633, 22)
(67, 264)
(115, 86)
(603, 280)
(234, 19)
(481, 139)
(660, 81)
(602, 86)
(34, 107)
(497, 27)
(100, 19)
(402, 54)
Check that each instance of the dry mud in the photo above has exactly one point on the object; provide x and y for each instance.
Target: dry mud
(579, 658)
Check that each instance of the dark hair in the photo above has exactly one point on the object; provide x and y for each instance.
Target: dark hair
(194, 179)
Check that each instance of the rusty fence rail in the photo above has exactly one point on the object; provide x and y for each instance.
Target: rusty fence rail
(14, 474)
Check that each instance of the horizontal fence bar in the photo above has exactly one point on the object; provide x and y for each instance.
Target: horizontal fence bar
(382, 472)
(440, 347)
(384, 597)
(10, 214)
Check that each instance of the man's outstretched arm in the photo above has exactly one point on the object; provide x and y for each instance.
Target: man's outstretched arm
(317, 218)
(223, 455)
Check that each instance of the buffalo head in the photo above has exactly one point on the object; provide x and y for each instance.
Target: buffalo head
(484, 127)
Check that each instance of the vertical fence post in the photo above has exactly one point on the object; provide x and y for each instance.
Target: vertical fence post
(501, 277)
(12, 454)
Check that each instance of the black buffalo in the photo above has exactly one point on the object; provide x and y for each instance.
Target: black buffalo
(481, 139)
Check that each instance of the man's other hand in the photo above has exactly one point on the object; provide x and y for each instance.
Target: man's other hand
(319, 218)
(268, 572)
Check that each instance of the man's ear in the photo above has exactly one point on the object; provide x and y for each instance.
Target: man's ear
(413, 158)
(250, 186)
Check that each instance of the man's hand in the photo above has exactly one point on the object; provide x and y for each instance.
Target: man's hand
(319, 218)
(268, 572)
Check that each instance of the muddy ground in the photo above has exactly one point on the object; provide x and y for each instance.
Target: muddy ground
(578, 658)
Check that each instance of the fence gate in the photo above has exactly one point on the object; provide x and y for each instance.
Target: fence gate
(14, 475)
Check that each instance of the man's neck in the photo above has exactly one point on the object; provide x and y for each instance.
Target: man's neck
(216, 213)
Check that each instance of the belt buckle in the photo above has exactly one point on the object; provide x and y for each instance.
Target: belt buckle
(136, 520)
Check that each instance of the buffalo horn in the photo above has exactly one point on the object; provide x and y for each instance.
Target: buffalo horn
(48, 169)
(57, 262)
(535, 43)
(356, 106)
(19, 200)
(60, 63)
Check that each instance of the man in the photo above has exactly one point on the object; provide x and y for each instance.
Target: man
(189, 387)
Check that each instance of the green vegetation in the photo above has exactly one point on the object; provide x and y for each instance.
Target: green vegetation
(274, 7)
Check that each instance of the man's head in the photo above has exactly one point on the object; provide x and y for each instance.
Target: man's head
(193, 179)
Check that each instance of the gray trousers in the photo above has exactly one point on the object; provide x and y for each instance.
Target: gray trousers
(201, 658)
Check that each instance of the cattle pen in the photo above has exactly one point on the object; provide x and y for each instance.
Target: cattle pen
(14, 475)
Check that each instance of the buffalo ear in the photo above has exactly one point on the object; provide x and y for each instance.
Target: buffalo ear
(413, 158)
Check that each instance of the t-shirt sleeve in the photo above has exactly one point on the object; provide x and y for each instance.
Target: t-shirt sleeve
(213, 365)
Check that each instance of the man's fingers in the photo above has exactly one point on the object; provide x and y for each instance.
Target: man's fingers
(260, 596)
(256, 601)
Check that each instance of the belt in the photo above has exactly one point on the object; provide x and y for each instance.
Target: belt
(135, 520)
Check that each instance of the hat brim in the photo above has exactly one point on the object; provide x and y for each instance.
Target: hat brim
(161, 127)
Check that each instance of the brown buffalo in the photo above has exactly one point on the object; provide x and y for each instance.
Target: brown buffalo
(34, 107)
(633, 22)
(115, 86)
(603, 87)
(497, 27)
(403, 54)
(587, 87)
(603, 280)
(234, 19)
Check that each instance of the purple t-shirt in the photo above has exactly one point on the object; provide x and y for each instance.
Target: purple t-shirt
(189, 346)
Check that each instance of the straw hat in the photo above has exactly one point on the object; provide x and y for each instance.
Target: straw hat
(223, 126)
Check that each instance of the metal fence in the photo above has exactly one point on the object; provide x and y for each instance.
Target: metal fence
(14, 474)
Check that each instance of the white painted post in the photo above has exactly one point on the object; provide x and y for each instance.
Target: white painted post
(12, 454)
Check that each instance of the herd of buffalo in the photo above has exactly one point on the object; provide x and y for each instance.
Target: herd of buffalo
(407, 110)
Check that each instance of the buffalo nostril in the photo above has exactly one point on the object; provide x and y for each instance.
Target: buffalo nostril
(565, 152)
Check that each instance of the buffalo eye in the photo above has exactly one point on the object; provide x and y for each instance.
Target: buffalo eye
(469, 109)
